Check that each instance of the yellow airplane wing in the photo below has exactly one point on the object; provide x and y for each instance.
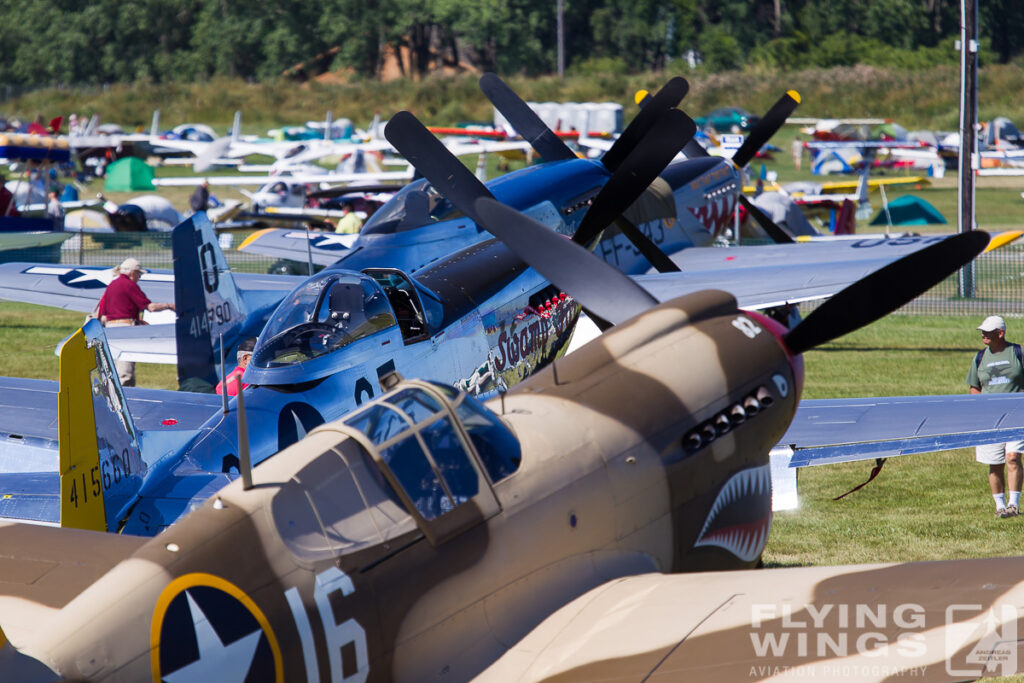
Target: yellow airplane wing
(1003, 238)
(850, 186)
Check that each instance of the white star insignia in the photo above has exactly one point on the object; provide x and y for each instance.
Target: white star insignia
(217, 661)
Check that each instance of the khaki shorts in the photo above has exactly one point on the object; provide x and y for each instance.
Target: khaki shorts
(995, 453)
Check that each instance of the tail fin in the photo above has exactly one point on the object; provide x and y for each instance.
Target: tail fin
(846, 222)
(236, 126)
(207, 300)
(329, 121)
(101, 464)
(864, 192)
(154, 128)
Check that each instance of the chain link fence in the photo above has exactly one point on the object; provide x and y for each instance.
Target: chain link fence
(998, 275)
(998, 288)
(152, 249)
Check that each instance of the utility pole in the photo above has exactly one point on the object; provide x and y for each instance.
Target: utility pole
(559, 10)
(968, 163)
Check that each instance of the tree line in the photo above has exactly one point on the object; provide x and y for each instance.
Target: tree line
(70, 42)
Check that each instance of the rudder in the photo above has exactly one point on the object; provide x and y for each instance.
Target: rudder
(207, 301)
(100, 463)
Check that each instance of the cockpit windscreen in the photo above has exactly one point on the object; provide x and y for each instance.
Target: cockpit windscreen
(326, 313)
(415, 205)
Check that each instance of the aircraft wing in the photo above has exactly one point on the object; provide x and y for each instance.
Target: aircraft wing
(325, 177)
(52, 566)
(79, 288)
(771, 275)
(933, 621)
(325, 247)
(826, 431)
(30, 240)
(74, 288)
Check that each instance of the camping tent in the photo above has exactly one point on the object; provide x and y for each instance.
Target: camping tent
(127, 175)
(836, 160)
(909, 210)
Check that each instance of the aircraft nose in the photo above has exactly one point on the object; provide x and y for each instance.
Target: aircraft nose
(778, 330)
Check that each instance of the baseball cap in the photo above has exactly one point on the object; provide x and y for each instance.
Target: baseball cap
(129, 265)
(992, 323)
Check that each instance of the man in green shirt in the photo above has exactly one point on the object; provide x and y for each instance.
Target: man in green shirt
(350, 223)
(998, 369)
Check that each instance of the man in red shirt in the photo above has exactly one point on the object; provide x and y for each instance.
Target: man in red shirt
(122, 305)
(244, 355)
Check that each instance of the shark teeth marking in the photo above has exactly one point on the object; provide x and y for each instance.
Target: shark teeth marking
(716, 212)
(741, 516)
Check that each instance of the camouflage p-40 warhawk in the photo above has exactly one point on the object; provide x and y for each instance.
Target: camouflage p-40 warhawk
(428, 536)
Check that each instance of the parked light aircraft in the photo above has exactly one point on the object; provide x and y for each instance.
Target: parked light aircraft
(427, 536)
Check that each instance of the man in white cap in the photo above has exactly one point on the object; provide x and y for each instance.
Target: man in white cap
(999, 369)
(122, 305)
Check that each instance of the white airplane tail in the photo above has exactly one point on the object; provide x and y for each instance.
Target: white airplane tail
(154, 127)
(236, 126)
(864, 208)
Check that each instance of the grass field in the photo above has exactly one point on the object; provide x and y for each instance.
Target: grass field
(921, 507)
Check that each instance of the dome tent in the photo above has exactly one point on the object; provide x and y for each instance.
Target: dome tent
(128, 175)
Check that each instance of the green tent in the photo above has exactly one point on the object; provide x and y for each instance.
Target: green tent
(127, 175)
(909, 210)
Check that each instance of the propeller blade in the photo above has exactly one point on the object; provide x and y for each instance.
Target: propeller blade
(885, 290)
(431, 158)
(766, 128)
(596, 285)
(776, 232)
(695, 150)
(650, 251)
(650, 113)
(525, 121)
(638, 170)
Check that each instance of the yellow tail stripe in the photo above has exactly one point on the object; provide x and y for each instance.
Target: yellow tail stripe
(253, 237)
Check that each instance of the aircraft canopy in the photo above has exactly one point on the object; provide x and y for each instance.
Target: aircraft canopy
(415, 205)
(322, 315)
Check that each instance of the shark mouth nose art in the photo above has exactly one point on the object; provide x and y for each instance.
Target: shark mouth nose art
(741, 516)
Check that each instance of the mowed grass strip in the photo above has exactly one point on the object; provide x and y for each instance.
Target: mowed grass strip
(29, 334)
